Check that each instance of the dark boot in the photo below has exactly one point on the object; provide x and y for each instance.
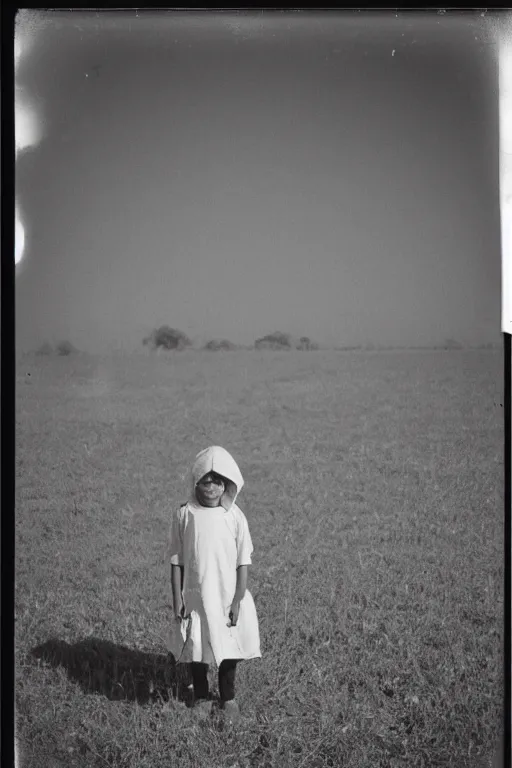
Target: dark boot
(227, 673)
(199, 674)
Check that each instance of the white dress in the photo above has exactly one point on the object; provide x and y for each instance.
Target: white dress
(211, 543)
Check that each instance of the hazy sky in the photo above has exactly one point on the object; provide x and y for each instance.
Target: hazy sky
(330, 175)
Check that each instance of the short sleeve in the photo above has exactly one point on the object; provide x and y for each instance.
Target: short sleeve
(176, 538)
(243, 542)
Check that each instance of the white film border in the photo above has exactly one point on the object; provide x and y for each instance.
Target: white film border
(27, 123)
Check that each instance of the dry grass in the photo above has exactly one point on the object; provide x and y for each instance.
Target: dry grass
(373, 493)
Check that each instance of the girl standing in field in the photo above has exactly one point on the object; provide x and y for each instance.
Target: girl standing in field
(215, 619)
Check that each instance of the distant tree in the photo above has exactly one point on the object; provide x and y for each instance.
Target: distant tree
(217, 345)
(306, 343)
(276, 340)
(45, 349)
(452, 344)
(65, 348)
(488, 345)
(167, 338)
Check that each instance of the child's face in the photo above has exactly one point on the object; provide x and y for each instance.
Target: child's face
(209, 489)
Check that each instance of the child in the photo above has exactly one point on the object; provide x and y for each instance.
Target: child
(215, 619)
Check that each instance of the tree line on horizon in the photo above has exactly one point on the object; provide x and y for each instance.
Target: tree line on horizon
(172, 338)
(166, 338)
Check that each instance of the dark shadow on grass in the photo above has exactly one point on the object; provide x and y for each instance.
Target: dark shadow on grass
(117, 672)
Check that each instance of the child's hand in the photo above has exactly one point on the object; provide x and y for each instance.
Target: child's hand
(178, 612)
(233, 613)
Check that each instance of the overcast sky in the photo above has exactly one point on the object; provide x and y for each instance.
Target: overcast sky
(330, 175)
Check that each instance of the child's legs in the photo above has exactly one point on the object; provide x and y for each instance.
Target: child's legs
(227, 671)
(199, 673)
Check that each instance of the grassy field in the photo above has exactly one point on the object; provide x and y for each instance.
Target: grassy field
(374, 498)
